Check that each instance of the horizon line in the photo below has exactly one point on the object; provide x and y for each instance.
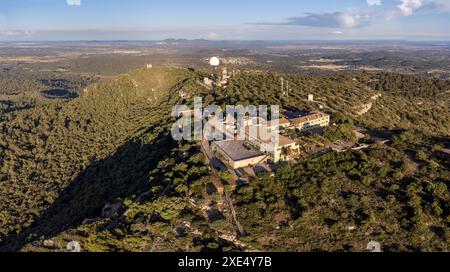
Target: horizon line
(231, 40)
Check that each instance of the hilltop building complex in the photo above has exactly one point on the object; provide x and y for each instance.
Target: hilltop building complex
(310, 121)
(264, 140)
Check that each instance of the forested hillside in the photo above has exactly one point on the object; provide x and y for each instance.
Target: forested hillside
(103, 170)
(397, 195)
(397, 101)
(62, 162)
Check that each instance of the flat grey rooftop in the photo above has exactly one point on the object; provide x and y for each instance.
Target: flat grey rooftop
(239, 150)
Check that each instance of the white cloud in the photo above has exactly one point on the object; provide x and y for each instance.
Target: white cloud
(209, 36)
(439, 6)
(73, 2)
(337, 32)
(349, 20)
(407, 7)
(374, 2)
(334, 20)
(366, 17)
(16, 33)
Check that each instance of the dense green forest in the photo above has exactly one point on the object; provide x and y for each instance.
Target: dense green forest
(14, 83)
(397, 195)
(103, 170)
(63, 161)
(342, 94)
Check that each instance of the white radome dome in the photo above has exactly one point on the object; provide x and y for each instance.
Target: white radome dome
(214, 61)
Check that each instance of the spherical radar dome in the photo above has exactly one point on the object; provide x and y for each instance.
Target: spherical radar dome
(214, 61)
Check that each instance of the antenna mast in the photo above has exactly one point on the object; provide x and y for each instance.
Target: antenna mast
(287, 88)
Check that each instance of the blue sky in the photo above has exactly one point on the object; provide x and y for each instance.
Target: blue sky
(229, 20)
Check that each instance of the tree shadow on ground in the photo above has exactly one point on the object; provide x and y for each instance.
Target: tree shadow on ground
(59, 94)
(124, 174)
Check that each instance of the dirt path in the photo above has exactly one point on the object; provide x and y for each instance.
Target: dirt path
(220, 188)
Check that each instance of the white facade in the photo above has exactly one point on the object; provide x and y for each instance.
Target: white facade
(311, 121)
(272, 143)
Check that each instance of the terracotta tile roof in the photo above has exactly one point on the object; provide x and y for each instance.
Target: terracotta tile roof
(282, 121)
(284, 141)
(309, 118)
(266, 137)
